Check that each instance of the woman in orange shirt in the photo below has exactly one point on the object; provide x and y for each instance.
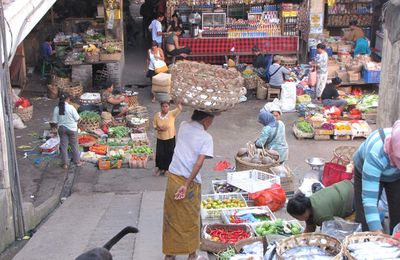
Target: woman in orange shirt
(164, 123)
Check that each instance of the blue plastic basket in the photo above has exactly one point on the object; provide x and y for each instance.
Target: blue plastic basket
(371, 76)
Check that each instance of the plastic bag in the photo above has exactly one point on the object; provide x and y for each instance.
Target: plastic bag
(339, 228)
(312, 78)
(306, 186)
(396, 231)
(17, 122)
(288, 97)
(274, 197)
(275, 105)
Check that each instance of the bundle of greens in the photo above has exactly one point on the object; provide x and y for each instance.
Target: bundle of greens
(90, 117)
(304, 126)
(118, 131)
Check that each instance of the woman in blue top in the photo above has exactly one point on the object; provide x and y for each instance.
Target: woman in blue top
(362, 47)
(272, 135)
(377, 166)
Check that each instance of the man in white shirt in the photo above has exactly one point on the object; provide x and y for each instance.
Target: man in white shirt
(181, 223)
(156, 29)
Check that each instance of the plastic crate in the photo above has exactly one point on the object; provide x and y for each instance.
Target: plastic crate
(371, 76)
(255, 210)
(252, 180)
(216, 182)
(216, 213)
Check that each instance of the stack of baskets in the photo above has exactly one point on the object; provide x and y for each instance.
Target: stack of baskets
(58, 85)
(133, 100)
(25, 113)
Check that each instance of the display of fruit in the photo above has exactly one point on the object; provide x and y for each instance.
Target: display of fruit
(141, 150)
(278, 226)
(226, 188)
(211, 203)
(342, 127)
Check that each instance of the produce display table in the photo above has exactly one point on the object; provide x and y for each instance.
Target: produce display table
(216, 46)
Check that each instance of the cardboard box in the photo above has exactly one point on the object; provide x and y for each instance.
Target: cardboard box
(322, 137)
(332, 68)
(343, 75)
(354, 76)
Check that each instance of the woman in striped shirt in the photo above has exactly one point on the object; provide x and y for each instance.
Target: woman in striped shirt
(377, 166)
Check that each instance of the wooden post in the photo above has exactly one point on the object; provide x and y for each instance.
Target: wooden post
(389, 89)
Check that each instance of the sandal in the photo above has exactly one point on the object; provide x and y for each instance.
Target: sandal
(156, 173)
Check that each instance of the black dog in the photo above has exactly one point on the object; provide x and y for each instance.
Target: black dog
(103, 253)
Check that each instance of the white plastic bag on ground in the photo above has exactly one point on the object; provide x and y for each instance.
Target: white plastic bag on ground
(275, 105)
(306, 186)
(288, 97)
(17, 122)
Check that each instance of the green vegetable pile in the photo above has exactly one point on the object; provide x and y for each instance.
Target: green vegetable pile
(90, 117)
(118, 131)
(304, 126)
(227, 254)
(278, 227)
(352, 100)
(368, 101)
(141, 150)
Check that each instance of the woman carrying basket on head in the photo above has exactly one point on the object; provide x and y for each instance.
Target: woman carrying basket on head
(272, 135)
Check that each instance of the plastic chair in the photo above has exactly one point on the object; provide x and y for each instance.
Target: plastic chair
(46, 68)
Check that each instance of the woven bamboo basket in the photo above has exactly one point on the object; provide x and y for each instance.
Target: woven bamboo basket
(301, 135)
(361, 237)
(251, 82)
(59, 81)
(25, 113)
(110, 56)
(133, 101)
(327, 243)
(343, 154)
(244, 166)
(86, 126)
(262, 92)
(92, 57)
(75, 90)
(217, 247)
(52, 91)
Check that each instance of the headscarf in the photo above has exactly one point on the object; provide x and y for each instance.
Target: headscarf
(266, 118)
(392, 145)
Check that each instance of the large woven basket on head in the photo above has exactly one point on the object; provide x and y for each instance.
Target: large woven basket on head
(25, 113)
(88, 126)
(362, 237)
(343, 154)
(244, 166)
(205, 87)
(327, 243)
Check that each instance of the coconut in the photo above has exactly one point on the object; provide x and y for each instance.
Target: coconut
(267, 160)
(246, 159)
(242, 152)
(256, 161)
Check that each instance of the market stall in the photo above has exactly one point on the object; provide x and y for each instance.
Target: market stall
(234, 29)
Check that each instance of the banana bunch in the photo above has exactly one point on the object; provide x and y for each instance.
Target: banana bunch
(92, 48)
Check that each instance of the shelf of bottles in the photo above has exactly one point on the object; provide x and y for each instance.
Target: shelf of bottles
(343, 12)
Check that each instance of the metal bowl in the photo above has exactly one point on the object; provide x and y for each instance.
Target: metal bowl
(315, 161)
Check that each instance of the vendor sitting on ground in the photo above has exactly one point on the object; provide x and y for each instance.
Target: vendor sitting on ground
(362, 47)
(173, 47)
(113, 103)
(333, 201)
(272, 135)
(330, 95)
(277, 73)
(355, 32)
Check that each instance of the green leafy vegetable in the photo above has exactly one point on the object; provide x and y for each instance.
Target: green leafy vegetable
(304, 126)
(90, 117)
(118, 131)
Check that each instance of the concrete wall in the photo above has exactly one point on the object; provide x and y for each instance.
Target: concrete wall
(6, 220)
